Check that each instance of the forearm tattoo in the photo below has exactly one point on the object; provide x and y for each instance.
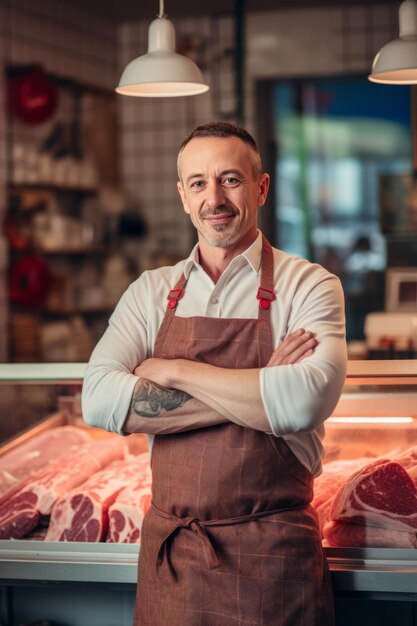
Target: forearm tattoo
(150, 399)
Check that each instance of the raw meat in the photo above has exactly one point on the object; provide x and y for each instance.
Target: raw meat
(380, 494)
(325, 488)
(22, 507)
(408, 458)
(34, 454)
(82, 514)
(127, 513)
(326, 485)
(412, 472)
(345, 535)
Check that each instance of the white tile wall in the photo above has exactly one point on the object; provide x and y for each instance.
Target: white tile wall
(321, 41)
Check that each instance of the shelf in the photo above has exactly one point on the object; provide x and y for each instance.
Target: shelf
(18, 187)
(78, 562)
(63, 372)
(387, 372)
(91, 310)
(377, 571)
(64, 311)
(373, 570)
(72, 251)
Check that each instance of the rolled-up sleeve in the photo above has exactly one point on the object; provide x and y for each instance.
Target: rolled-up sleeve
(299, 397)
(109, 380)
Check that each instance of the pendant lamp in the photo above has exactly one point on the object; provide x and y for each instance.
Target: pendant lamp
(396, 62)
(162, 72)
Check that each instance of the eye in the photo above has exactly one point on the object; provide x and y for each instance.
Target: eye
(230, 181)
(197, 184)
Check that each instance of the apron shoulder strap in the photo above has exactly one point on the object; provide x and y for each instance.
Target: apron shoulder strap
(174, 295)
(265, 296)
(266, 293)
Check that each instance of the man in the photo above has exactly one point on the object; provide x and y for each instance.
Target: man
(212, 354)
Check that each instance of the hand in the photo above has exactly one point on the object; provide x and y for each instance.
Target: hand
(157, 370)
(294, 348)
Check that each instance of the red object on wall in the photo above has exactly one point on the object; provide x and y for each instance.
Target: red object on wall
(17, 240)
(33, 97)
(29, 281)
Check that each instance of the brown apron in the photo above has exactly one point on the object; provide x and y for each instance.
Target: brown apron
(231, 538)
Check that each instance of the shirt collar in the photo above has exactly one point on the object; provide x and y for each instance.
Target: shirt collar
(251, 255)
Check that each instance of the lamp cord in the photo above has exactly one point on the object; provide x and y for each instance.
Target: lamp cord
(161, 9)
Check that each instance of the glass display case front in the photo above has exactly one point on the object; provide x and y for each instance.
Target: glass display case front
(51, 463)
(62, 481)
(366, 496)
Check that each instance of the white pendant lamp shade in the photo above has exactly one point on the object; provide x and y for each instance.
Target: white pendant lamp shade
(161, 72)
(396, 63)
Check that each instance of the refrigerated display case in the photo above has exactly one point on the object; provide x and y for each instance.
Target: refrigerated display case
(376, 418)
(65, 583)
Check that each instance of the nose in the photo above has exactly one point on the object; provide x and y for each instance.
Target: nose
(215, 194)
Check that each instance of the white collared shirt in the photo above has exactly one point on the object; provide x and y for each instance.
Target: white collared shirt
(295, 397)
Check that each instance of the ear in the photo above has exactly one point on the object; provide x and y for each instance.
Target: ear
(264, 181)
(182, 196)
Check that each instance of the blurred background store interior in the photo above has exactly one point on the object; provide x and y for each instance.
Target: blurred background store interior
(88, 195)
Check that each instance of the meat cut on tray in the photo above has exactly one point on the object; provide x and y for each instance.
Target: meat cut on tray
(80, 490)
(82, 513)
(334, 475)
(375, 507)
(346, 535)
(22, 507)
(407, 458)
(380, 494)
(35, 453)
(127, 513)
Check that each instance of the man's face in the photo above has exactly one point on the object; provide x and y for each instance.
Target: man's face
(221, 190)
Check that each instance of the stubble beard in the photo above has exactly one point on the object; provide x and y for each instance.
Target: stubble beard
(224, 239)
(227, 233)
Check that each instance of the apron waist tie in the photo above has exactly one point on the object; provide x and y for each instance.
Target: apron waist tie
(199, 528)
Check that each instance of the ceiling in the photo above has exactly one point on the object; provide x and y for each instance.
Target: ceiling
(127, 10)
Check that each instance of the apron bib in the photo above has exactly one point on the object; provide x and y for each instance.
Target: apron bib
(231, 538)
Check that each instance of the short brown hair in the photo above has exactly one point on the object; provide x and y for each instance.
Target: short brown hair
(223, 129)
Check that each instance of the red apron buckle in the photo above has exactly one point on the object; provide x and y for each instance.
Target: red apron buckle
(173, 297)
(265, 297)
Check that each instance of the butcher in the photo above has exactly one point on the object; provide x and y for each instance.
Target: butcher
(230, 360)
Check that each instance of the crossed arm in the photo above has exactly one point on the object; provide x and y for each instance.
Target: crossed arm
(177, 395)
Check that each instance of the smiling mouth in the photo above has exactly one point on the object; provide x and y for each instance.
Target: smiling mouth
(222, 218)
(219, 216)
